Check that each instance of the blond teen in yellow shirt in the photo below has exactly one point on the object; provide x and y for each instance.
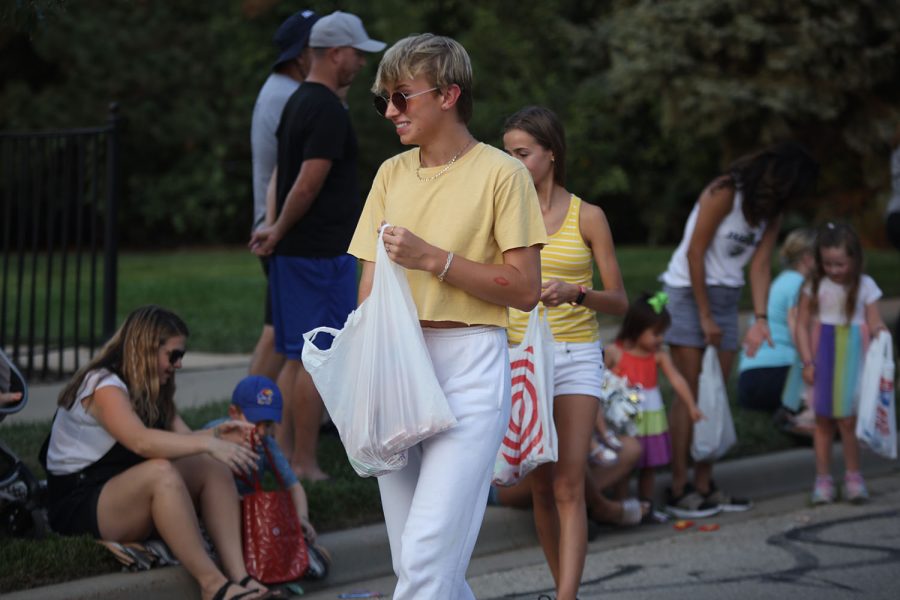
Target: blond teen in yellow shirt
(465, 223)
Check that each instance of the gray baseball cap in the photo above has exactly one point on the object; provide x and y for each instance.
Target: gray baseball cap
(342, 29)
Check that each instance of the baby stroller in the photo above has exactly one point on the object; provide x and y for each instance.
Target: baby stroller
(21, 494)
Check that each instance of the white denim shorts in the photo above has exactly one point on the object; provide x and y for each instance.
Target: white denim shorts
(578, 368)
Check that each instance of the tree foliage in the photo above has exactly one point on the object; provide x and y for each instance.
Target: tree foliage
(656, 96)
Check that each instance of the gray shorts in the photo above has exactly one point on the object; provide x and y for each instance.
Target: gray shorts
(686, 330)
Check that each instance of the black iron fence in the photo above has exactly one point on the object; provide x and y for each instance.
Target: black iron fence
(59, 193)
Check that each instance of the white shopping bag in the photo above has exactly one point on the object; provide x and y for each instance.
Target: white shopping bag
(530, 438)
(714, 434)
(377, 380)
(876, 423)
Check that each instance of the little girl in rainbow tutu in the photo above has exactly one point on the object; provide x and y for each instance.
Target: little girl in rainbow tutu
(638, 354)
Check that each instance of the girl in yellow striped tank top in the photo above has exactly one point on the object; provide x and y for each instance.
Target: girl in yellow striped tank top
(579, 235)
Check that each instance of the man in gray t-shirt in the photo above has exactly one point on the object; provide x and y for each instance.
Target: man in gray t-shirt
(288, 72)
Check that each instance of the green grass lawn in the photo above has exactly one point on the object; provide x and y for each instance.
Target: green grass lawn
(224, 289)
(219, 293)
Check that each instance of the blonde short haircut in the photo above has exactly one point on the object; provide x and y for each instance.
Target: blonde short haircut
(442, 60)
(797, 244)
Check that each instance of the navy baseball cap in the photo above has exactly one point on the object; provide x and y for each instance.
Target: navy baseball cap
(258, 398)
(293, 35)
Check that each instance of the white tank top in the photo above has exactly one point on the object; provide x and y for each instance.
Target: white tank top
(730, 250)
(77, 440)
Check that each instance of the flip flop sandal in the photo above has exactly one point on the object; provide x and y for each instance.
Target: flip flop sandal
(119, 552)
(162, 552)
(220, 593)
(248, 582)
(145, 559)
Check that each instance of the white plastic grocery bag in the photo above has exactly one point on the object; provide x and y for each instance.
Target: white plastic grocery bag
(530, 438)
(876, 423)
(377, 380)
(714, 434)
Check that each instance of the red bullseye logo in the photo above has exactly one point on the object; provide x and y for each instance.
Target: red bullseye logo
(524, 425)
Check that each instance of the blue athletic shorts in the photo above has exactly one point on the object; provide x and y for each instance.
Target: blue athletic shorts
(309, 293)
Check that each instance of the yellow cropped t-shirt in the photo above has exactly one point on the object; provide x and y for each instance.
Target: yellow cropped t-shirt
(482, 206)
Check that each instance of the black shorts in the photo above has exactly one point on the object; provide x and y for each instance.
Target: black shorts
(72, 499)
(72, 503)
(761, 388)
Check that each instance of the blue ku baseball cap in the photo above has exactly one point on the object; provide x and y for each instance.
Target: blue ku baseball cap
(258, 398)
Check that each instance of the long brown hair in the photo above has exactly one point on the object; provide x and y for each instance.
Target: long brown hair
(838, 235)
(771, 178)
(131, 354)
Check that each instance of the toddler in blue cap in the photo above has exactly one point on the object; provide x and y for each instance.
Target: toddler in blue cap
(256, 399)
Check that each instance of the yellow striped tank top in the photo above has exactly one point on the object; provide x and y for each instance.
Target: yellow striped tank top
(566, 257)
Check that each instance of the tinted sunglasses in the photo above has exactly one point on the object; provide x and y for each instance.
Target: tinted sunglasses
(175, 356)
(398, 99)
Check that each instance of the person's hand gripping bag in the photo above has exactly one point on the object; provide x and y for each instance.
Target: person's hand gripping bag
(376, 379)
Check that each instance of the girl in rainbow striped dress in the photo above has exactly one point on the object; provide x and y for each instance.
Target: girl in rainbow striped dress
(637, 355)
(845, 301)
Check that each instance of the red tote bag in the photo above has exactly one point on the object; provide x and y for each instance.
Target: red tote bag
(274, 546)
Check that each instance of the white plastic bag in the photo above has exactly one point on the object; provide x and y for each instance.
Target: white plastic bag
(876, 423)
(377, 380)
(714, 434)
(530, 438)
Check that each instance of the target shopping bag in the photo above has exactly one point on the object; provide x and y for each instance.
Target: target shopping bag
(531, 435)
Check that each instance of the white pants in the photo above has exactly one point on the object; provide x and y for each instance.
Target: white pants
(433, 507)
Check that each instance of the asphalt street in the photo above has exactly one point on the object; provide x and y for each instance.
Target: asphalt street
(780, 549)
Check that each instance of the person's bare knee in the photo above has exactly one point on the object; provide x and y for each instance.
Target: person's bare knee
(200, 472)
(164, 474)
(568, 490)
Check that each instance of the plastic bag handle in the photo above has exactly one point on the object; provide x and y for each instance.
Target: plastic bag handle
(309, 336)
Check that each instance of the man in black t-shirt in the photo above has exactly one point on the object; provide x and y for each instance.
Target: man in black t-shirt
(312, 278)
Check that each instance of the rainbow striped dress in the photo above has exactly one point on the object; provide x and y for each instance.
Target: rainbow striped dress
(840, 347)
(652, 425)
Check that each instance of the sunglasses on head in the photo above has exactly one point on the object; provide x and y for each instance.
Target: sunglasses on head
(398, 99)
(175, 356)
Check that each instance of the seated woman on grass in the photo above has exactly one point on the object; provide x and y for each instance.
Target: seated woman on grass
(122, 464)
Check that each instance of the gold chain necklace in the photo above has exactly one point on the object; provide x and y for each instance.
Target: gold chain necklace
(446, 167)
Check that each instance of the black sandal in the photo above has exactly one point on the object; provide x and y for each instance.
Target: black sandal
(220, 593)
(248, 580)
